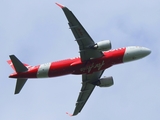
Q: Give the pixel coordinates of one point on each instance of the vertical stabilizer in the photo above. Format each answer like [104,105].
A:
[19,67]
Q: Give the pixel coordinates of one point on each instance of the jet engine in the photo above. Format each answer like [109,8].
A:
[103,45]
[105,82]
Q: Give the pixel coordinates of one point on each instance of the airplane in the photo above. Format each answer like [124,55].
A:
[93,60]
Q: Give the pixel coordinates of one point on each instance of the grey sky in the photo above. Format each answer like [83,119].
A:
[37,31]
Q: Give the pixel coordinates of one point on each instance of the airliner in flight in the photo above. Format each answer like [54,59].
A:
[94,59]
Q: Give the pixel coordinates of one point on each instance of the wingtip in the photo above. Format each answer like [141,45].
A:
[69,114]
[61,6]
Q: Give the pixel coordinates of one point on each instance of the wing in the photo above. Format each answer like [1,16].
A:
[82,37]
[85,43]
[86,90]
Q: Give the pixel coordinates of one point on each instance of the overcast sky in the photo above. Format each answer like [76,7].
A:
[37,31]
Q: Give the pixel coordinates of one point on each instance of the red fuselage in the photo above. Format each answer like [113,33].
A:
[73,66]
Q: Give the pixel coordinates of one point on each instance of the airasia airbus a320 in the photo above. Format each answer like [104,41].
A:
[94,59]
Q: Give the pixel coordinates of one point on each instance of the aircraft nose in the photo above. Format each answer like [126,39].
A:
[145,51]
[135,52]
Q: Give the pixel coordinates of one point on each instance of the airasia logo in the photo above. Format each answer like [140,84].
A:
[89,68]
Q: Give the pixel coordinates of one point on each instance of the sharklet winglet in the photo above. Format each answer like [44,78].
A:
[69,114]
[61,6]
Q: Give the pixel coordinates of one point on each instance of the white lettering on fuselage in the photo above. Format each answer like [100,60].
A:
[89,68]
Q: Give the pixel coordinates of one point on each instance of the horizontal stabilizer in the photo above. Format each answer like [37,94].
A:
[20,83]
[18,65]
[11,64]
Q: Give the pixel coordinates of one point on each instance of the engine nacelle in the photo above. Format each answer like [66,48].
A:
[105,82]
[103,45]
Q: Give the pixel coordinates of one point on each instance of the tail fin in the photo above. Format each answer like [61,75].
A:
[19,67]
